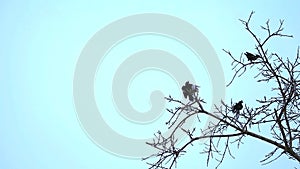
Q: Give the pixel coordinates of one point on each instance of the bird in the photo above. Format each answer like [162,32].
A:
[188,90]
[251,57]
[237,107]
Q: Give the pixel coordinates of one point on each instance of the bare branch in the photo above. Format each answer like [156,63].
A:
[278,113]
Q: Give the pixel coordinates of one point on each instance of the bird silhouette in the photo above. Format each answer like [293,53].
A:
[237,107]
[189,90]
[251,57]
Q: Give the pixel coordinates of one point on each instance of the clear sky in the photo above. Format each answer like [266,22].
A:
[41,42]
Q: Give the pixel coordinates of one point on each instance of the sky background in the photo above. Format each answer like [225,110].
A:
[41,42]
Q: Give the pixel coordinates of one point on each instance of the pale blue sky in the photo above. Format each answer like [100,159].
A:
[41,42]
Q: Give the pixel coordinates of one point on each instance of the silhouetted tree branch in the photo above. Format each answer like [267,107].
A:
[279,114]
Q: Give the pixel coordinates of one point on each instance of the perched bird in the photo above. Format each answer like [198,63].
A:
[237,107]
[251,57]
[189,90]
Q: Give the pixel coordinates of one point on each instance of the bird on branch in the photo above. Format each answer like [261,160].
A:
[189,90]
[237,107]
[251,57]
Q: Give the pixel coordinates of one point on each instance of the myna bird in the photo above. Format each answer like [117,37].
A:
[251,57]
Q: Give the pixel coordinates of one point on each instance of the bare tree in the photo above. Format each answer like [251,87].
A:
[278,114]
